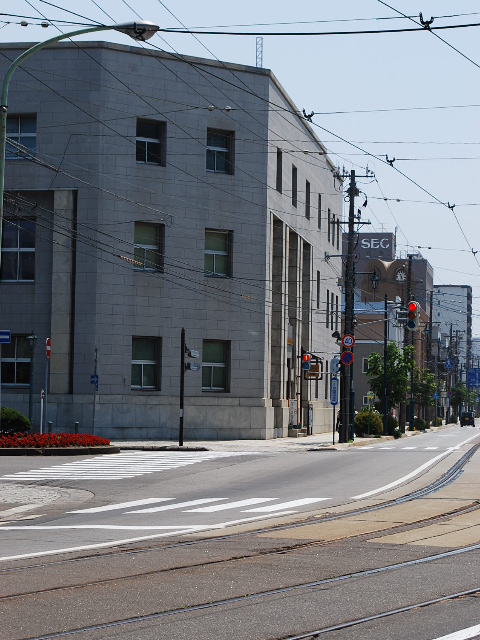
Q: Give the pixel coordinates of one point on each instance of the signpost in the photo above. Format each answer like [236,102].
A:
[333,400]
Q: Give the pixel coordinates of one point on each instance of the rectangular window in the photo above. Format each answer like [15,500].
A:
[365,400]
[18,251]
[318,289]
[364,365]
[16,362]
[319,211]
[333,228]
[151,142]
[218,253]
[145,363]
[21,132]
[338,234]
[220,151]
[329,224]
[332,297]
[279,181]
[294,186]
[307,200]
[149,246]
[327,317]
[336,313]
[327,378]
[215,356]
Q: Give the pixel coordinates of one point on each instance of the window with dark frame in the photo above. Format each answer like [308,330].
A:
[145,363]
[149,249]
[151,142]
[332,313]
[279,178]
[318,289]
[294,186]
[329,224]
[307,199]
[18,250]
[327,315]
[319,211]
[21,131]
[215,365]
[16,362]
[220,151]
[364,365]
[218,253]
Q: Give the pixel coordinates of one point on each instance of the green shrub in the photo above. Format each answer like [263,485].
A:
[12,421]
[453,419]
[419,424]
[361,424]
[392,425]
[437,422]
[397,433]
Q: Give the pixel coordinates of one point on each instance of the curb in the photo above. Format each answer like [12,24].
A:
[58,451]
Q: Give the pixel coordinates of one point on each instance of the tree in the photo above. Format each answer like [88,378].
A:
[457,400]
[399,366]
[423,389]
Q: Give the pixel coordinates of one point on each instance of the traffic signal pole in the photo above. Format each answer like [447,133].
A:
[346,411]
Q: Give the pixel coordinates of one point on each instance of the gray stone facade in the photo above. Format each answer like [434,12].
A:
[85,190]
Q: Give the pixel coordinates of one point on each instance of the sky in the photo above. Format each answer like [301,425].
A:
[405,104]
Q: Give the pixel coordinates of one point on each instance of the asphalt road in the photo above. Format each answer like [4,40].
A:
[135,546]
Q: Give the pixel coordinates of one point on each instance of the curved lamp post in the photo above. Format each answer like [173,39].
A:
[137,30]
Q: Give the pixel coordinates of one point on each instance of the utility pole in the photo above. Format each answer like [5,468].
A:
[385,374]
[346,410]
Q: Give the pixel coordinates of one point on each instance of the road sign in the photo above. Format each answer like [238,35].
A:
[314,371]
[334,364]
[449,394]
[473,378]
[94,380]
[48,348]
[333,391]
[347,358]
[348,341]
[192,366]
[5,337]
[448,364]
[436,396]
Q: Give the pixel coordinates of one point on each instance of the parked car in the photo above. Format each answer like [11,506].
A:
[467,417]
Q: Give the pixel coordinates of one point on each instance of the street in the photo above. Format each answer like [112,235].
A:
[263,542]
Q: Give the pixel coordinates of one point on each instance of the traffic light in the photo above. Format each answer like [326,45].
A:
[306,361]
[413,315]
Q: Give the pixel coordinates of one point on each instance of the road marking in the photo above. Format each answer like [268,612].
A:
[178,505]
[408,448]
[431,448]
[464,634]
[122,465]
[284,505]
[230,505]
[120,505]
[415,472]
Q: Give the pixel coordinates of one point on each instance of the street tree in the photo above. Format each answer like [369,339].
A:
[423,389]
[399,366]
[459,393]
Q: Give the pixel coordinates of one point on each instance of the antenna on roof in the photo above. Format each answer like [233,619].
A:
[260,52]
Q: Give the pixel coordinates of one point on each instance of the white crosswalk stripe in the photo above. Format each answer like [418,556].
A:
[120,466]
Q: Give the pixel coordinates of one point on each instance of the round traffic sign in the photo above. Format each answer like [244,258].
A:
[348,341]
[48,348]
[347,358]
[449,394]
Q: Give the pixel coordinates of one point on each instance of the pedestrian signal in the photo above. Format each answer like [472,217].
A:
[413,315]
[306,361]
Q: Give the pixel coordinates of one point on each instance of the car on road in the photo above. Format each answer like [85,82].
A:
[467,417]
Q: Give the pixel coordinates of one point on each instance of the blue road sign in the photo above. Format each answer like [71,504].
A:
[473,378]
[333,391]
[5,337]
[94,380]
[448,364]
[436,396]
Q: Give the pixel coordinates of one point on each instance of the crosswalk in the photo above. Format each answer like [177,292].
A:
[369,447]
[128,464]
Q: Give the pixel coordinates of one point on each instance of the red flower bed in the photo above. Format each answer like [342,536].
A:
[41,440]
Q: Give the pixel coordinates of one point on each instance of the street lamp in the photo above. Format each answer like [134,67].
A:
[137,30]
[32,341]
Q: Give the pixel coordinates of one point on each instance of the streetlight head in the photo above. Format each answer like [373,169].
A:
[138,30]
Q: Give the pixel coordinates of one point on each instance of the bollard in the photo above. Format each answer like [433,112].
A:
[49,426]
[75,428]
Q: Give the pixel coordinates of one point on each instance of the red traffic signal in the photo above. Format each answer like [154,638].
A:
[306,361]
[413,315]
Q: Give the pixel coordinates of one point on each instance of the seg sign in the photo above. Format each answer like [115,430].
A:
[376,246]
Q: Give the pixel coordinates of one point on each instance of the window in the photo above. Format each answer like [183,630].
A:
[365,400]
[220,151]
[318,289]
[336,313]
[338,234]
[294,186]
[18,251]
[327,377]
[333,228]
[307,200]
[332,313]
[329,224]
[364,365]
[16,362]
[21,130]
[215,365]
[327,317]
[218,253]
[151,142]
[149,246]
[145,363]
[319,211]
[279,171]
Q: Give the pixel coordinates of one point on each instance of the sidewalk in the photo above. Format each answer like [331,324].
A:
[322,441]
